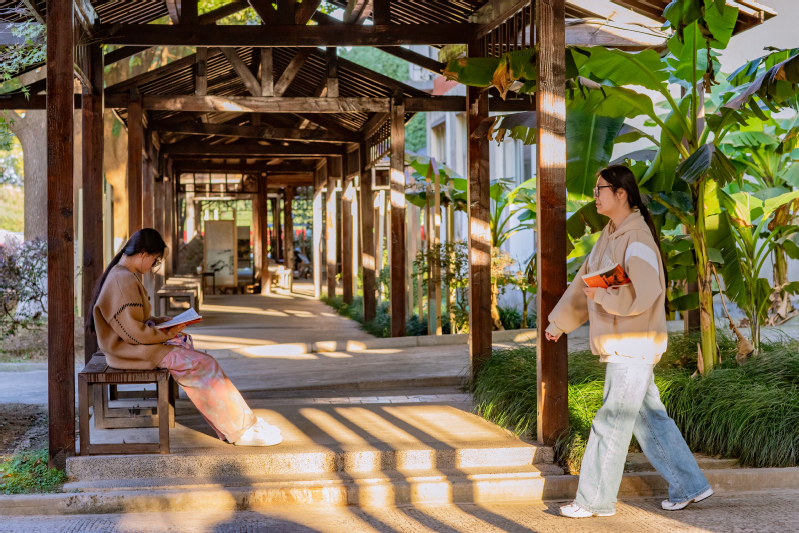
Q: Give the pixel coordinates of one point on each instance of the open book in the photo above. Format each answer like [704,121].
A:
[613,276]
[187,317]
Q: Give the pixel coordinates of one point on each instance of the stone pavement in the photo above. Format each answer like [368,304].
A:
[762,512]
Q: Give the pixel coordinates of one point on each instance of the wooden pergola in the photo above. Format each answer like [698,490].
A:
[275,102]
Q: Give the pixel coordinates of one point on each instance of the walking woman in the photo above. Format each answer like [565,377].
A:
[121,318]
[628,332]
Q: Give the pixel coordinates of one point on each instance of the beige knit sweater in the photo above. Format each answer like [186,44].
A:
[120,314]
[628,323]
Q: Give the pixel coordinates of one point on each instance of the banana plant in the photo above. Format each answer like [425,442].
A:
[749,216]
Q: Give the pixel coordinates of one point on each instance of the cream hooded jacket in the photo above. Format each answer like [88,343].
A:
[627,323]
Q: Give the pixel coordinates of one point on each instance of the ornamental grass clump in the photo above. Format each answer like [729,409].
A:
[748,412]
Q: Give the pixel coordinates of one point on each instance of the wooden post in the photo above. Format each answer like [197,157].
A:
[319,179]
[256,238]
[436,237]
[200,71]
[60,238]
[553,406]
[346,239]
[397,258]
[267,77]
[176,218]
[330,229]
[367,211]
[148,183]
[480,324]
[92,152]
[428,234]
[277,228]
[331,54]
[135,148]
[189,12]
[170,214]
[288,199]
[381,232]
[266,279]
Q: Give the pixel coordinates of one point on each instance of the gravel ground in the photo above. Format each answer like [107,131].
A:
[22,427]
[747,513]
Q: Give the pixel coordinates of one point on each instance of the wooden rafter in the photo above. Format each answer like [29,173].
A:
[249,132]
[173,6]
[206,166]
[194,148]
[242,71]
[292,70]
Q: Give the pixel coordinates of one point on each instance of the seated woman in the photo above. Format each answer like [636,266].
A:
[121,318]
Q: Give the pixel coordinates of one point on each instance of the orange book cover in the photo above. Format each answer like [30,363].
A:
[613,276]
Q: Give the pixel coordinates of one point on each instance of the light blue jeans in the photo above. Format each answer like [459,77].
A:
[631,406]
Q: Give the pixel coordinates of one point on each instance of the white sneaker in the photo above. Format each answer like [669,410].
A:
[669,506]
[260,434]
[574,511]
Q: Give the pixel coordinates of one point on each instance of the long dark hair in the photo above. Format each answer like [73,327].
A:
[621,177]
[145,240]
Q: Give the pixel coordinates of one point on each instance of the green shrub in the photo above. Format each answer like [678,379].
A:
[510,317]
[381,326]
[28,472]
[748,412]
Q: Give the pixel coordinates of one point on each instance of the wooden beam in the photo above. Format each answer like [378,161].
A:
[189,12]
[242,71]
[320,177]
[34,10]
[92,164]
[347,194]
[397,258]
[333,173]
[286,35]
[367,215]
[173,6]
[249,149]
[265,10]
[381,12]
[288,218]
[292,70]
[357,11]
[267,72]
[553,392]
[60,238]
[327,123]
[248,104]
[285,11]
[331,57]
[160,72]
[479,202]
[250,132]
[306,10]
[135,149]
[294,167]
[222,12]
[201,71]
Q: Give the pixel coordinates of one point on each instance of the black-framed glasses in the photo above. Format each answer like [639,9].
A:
[157,263]
[597,191]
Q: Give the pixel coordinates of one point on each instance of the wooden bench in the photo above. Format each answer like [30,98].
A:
[162,298]
[98,375]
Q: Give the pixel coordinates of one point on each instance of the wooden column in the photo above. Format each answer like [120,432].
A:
[278,229]
[266,279]
[553,405]
[480,324]
[176,217]
[288,217]
[92,152]
[367,213]
[267,76]
[170,214]
[333,171]
[346,239]
[319,179]
[135,149]
[200,71]
[332,71]
[397,257]
[188,12]
[60,238]
[148,183]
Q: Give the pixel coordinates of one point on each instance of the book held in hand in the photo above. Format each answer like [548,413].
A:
[185,318]
[613,276]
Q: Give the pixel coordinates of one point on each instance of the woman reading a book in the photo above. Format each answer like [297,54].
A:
[127,335]
[628,332]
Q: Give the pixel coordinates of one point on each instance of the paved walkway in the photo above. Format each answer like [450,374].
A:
[752,513]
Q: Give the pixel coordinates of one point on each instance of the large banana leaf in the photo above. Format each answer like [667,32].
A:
[709,159]
[713,17]
[624,68]
[589,146]
[472,71]
[777,84]
[586,216]
[610,101]
[719,236]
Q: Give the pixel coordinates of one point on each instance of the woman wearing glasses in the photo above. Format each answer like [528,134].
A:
[628,332]
[127,336]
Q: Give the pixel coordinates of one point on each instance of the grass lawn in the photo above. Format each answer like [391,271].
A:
[749,412]
[11,208]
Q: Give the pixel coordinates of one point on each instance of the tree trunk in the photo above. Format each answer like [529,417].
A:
[32,135]
[704,279]
[495,308]
[782,300]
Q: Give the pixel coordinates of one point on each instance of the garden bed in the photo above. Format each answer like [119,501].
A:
[748,412]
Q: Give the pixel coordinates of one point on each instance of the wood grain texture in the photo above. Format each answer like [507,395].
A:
[553,408]
[201,71]
[292,70]
[92,163]
[276,104]
[242,71]
[346,240]
[267,80]
[331,57]
[367,214]
[135,149]
[60,238]
[479,185]
[397,252]
[333,173]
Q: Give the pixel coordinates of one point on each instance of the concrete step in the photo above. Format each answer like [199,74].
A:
[291,460]
[435,487]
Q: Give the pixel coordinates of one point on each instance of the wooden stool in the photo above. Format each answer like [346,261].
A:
[98,375]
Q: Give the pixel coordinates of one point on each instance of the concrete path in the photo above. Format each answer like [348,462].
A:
[775,512]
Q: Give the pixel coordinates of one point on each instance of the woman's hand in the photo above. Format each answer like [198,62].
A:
[551,337]
[590,292]
[174,331]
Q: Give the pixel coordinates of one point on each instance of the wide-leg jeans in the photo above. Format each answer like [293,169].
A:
[631,406]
